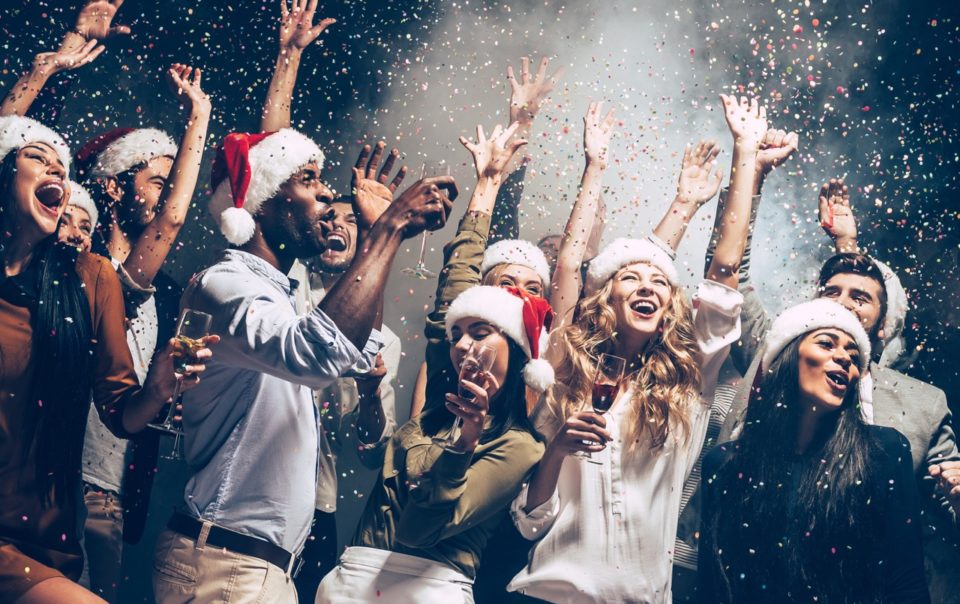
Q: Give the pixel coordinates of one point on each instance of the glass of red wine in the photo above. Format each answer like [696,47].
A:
[475,365]
[606,386]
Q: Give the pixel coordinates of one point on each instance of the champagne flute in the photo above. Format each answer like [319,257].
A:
[479,361]
[606,385]
[420,271]
[192,326]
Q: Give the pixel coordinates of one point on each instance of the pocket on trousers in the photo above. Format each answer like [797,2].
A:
[168,560]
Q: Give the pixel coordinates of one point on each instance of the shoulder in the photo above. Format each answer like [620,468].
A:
[517,445]
[892,443]
[96,272]
[906,387]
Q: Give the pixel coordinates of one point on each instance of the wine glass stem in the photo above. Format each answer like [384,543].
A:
[168,422]
[423,248]
[454,431]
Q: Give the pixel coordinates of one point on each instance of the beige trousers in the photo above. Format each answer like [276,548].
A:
[185,570]
[102,543]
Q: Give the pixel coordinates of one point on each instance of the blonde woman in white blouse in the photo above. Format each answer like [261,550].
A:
[605,531]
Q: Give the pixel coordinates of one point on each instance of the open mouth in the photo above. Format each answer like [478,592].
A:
[50,195]
[838,380]
[644,308]
[336,242]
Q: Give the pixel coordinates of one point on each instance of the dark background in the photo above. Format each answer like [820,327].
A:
[872,88]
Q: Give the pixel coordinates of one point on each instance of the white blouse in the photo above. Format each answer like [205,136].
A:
[607,533]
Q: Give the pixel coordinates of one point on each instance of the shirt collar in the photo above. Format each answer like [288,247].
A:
[263,268]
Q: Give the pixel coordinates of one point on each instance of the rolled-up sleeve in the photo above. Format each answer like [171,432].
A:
[260,331]
[534,524]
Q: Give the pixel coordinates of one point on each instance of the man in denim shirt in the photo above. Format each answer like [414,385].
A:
[251,433]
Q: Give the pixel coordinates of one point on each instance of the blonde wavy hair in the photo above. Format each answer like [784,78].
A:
[666,376]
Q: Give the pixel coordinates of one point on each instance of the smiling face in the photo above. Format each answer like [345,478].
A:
[297,219]
[76,228]
[341,238]
[859,294]
[138,196]
[38,190]
[828,368]
[469,330]
[639,297]
[515,275]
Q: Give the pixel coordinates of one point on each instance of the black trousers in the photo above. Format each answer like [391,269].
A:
[319,555]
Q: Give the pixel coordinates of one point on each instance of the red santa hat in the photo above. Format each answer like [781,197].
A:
[81,198]
[623,252]
[17,131]
[521,316]
[250,169]
[517,251]
[116,151]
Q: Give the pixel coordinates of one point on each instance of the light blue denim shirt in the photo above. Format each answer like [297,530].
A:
[250,427]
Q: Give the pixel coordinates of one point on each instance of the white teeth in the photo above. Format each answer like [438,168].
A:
[644,307]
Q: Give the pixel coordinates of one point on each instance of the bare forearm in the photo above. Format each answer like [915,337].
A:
[846,245]
[276,107]
[543,484]
[523,131]
[151,249]
[674,223]
[735,224]
[370,418]
[354,302]
[566,283]
[140,410]
[485,194]
[24,93]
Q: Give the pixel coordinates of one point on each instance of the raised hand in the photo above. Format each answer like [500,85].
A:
[371,192]
[775,147]
[491,155]
[95,20]
[425,205]
[597,132]
[575,434]
[49,63]
[746,118]
[836,217]
[947,474]
[472,412]
[698,181]
[184,82]
[526,96]
[297,30]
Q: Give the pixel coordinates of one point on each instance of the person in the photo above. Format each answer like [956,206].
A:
[916,409]
[144,185]
[604,530]
[434,508]
[59,309]
[251,432]
[811,503]
[79,219]
[776,146]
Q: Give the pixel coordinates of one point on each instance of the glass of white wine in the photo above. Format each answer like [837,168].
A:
[420,271]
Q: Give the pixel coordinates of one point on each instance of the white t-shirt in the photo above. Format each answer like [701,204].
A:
[607,533]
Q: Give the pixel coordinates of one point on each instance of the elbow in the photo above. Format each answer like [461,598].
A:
[418,538]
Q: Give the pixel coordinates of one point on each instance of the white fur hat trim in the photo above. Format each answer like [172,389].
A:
[81,198]
[622,252]
[272,162]
[517,251]
[132,149]
[809,316]
[17,131]
[897,305]
[501,308]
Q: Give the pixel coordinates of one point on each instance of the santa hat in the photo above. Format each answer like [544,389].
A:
[17,131]
[517,251]
[623,252]
[81,198]
[810,316]
[896,317]
[116,151]
[523,317]
[250,169]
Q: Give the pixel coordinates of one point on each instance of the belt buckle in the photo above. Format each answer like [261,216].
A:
[295,566]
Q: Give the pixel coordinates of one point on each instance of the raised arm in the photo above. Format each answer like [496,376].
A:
[697,185]
[151,249]
[836,216]
[565,291]
[45,65]
[747,121]
[297,31]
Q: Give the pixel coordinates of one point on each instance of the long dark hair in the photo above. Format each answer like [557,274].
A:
[825,537]
[61,342]
[508,409]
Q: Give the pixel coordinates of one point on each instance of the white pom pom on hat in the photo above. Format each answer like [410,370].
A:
[522,317]
[17,131]
[623,252]
[250,169]
[517,251]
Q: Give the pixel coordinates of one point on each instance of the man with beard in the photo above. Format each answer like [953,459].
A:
[252,434]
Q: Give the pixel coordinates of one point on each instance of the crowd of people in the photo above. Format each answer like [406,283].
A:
[580,430]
